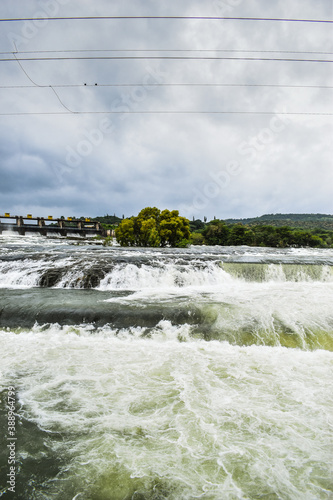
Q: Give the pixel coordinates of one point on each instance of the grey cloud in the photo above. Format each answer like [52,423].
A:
[95,164]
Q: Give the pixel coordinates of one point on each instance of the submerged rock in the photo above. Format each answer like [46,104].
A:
[51,277]
[89,278]
[92,277]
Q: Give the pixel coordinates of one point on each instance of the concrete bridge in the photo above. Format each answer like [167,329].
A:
[49,225]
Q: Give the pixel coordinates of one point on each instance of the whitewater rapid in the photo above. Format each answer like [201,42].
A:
[166,374]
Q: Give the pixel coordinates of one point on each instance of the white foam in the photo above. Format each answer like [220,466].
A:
[26,273]
[157,411]
[163,275]
[208,419]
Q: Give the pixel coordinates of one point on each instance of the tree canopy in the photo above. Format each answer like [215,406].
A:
[154,228]
[217,232]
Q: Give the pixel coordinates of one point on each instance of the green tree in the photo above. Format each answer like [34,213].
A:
[173,228]
[125,233]
[197,239]
[154,228]
[216,233]
[237,235]
[148,235]
[265,236]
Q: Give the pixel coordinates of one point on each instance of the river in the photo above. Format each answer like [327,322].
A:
[179,374]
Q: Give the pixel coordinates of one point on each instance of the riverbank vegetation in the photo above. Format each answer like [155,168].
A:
[154,228]
[219,232]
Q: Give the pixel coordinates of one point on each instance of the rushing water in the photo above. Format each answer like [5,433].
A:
[165,374]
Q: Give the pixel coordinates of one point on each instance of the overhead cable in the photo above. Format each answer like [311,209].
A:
[170,50]
[75,85]
[164,112]
[182,18]
[193,58]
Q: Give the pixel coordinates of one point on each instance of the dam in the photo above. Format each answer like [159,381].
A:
[29,224]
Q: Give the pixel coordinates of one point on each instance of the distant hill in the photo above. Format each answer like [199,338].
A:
[109,219]
[303,221]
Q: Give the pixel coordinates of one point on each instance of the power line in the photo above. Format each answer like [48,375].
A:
[194,18]
[192,84]
[75,85]
[69,111]
[170,50]
[193,58]
[36,84]
[173,112]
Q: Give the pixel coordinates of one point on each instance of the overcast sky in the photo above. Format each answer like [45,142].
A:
[70,157]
